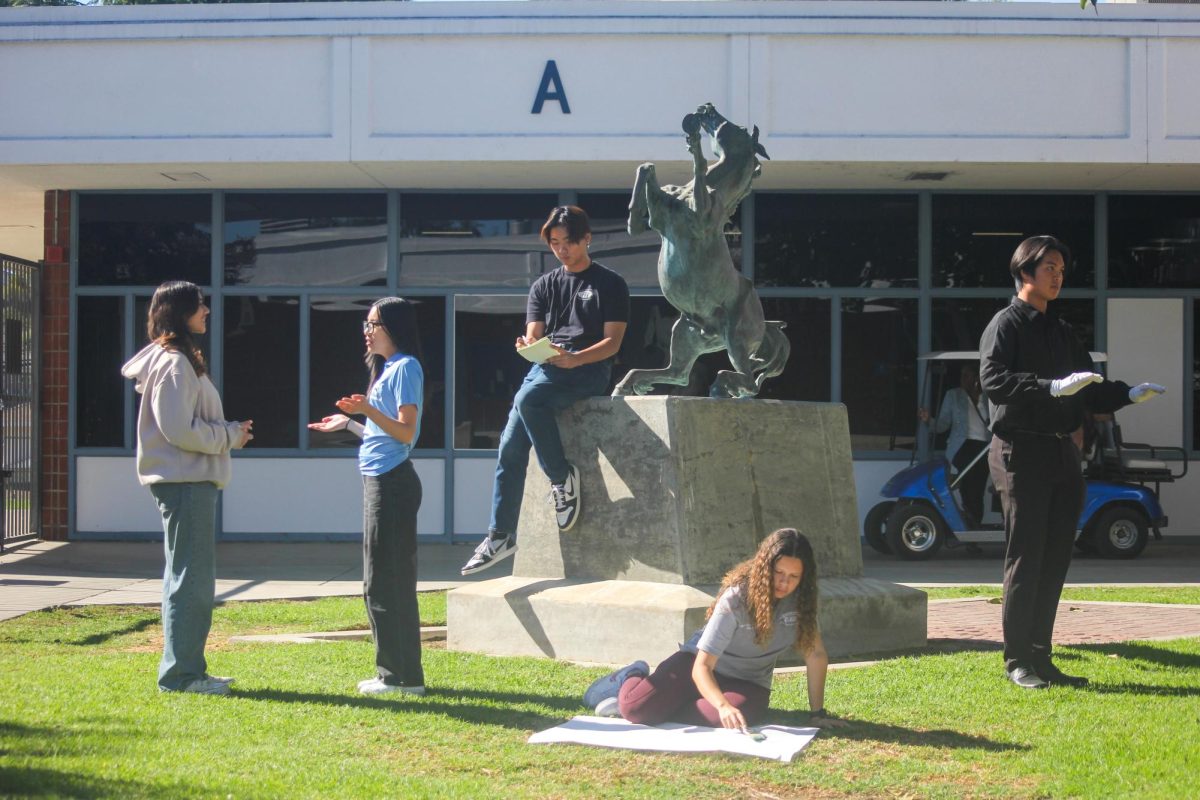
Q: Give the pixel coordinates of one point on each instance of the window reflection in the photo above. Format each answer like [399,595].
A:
[1153,242]
[879,387]
[262,367]
[958,322]
[99,387]
[305,239]
[144,239]
[487,370]
[836,240]
[806,376]
[336,366]
[635,258]
[974,236]
[473,240]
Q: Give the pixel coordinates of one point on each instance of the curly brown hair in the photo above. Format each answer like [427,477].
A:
[754,577]
[166,323]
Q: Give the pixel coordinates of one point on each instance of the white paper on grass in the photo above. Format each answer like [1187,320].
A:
[782,743]
[539,351]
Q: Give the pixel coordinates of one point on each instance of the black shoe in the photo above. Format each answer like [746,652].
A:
[1024,676]
[489,552]
[1056,677]
[565,497]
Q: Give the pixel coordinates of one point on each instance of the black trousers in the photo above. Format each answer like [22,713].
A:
[390,503]
[1041,490]
[974,482]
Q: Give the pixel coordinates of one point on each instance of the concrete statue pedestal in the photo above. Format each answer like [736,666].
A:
[675,491]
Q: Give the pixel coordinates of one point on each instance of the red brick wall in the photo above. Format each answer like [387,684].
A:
[55,306]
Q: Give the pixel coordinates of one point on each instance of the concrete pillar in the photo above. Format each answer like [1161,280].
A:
[676,491]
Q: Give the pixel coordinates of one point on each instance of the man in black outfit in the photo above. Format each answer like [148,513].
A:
[1038,379]
[583,309]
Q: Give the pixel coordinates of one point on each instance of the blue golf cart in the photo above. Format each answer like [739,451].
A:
[921,512]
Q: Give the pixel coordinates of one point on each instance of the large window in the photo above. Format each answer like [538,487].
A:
[473,239]
[306,239]
[487,370]
[1154,241]
[322,258]
[337,368]
[806,375]
[974,236]
[262,367]
[99,387]
[144,240]
[879,387]
[868,241]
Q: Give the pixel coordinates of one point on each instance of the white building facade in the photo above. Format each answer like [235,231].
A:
[302,160]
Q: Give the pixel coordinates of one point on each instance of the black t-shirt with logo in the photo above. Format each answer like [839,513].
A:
[575,305]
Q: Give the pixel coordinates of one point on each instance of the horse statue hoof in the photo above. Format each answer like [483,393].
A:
[691,125]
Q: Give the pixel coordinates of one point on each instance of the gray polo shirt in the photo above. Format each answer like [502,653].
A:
[729,635]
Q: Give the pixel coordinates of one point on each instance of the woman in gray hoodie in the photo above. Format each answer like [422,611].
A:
[183,446]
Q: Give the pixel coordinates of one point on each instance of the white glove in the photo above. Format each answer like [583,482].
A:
[1145,391]
[1065,387]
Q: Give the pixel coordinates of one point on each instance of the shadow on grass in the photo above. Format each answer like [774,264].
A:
[99,624]
[38,782]
[33,781]
[862,731]
[1144,651]
[502,708]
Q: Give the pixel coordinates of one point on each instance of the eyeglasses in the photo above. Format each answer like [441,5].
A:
[370,325]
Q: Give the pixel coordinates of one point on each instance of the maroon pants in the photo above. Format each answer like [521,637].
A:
[670,694]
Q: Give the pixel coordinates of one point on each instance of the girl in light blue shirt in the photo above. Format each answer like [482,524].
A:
[391,491]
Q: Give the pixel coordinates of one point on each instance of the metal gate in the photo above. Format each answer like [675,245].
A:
[19,416]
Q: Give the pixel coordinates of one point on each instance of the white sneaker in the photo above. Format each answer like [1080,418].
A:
[566,499]
[207,686]
[608,707]
[377,686]
[219,678]
[489,552]
[366,681]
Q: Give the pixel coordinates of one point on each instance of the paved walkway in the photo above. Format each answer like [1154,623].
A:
[976,623]
[44,574]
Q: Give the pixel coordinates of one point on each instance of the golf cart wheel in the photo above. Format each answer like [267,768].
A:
[1120,532]
[915,531]
[875,527]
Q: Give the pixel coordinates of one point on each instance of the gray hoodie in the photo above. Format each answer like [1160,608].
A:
[183,435]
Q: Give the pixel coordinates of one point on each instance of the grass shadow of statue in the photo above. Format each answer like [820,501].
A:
[719,308]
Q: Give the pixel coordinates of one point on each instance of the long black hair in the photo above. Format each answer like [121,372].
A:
[399,319]
[173,304]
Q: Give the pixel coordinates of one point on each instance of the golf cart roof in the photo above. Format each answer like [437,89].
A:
[973,355]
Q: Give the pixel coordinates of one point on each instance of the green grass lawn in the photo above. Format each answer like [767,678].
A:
[80,717]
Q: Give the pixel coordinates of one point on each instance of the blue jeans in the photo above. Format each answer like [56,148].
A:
[189,512]
[533,422]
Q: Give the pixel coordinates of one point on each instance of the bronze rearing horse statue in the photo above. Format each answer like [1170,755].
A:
[718,308]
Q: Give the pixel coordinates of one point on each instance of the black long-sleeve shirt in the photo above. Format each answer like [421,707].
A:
[1022,350]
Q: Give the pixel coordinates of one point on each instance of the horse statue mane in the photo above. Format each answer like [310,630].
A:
[718,308]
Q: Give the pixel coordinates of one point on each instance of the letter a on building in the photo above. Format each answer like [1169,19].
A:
[550,79]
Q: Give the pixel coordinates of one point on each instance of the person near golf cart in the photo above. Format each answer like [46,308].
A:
[1038,378]
[964,413]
